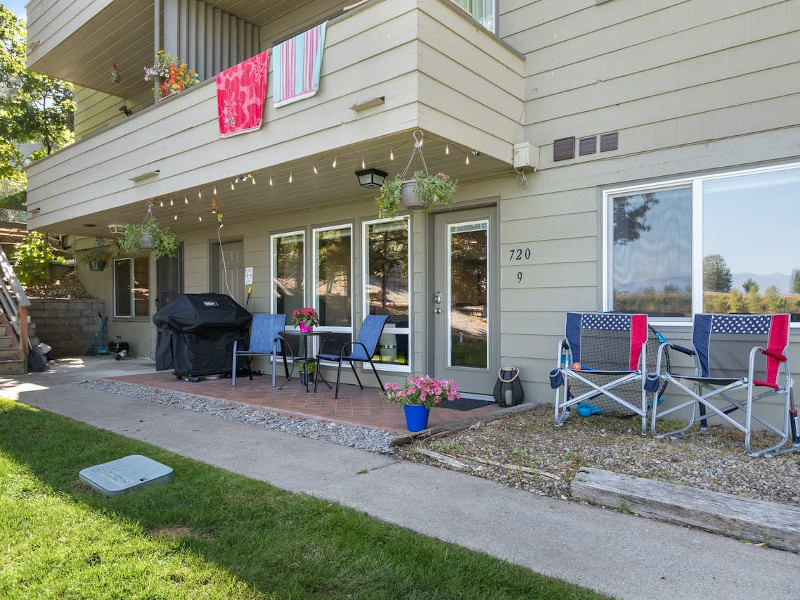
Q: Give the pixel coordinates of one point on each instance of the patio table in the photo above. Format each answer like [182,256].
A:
[306,337]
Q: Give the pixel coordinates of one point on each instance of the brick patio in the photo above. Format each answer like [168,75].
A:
[354,406]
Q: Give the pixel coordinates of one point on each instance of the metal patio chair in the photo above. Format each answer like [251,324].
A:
[603,360]
[739,361]
[362,350]
[264,340]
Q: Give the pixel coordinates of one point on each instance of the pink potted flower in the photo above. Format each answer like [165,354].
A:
[418,394]
[305,318]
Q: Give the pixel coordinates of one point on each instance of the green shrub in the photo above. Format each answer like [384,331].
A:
[31,258]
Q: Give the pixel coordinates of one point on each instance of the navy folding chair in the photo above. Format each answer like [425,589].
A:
[362,350]
[740,360]
[265,340]
[603,357]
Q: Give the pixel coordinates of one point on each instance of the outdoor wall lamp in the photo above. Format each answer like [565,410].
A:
[371,178]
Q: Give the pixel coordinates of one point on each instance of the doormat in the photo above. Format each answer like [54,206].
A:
[464,404]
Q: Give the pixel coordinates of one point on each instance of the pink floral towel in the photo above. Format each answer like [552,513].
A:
[241,91]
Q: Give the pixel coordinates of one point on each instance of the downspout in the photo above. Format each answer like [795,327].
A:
[156,43]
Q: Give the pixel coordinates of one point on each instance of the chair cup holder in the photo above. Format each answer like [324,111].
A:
[651,383]
[556,378]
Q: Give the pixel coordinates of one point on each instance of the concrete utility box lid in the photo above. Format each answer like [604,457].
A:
[125,474]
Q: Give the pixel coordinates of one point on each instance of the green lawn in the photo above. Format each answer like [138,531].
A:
[209,533]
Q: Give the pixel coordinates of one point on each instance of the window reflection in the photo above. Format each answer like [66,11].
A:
[751,253]
[333,285]
[288,251]
[652,252]
[387,290]
[468,294]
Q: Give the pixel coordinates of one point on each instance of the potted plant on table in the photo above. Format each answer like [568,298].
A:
[418,394]
[305,318]
[423,192]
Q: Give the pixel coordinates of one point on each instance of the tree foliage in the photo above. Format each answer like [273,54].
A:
[630,218]
[34,108]
[31,258]
[750,285]
[717,276]
[794,287]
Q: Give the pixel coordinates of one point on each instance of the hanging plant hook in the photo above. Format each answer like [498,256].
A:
[418,136]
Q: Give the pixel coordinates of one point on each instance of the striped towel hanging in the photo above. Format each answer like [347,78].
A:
[296,66]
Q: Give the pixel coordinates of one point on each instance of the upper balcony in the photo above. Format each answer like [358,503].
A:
[435,69]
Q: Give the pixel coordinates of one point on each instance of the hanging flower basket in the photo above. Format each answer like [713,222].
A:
[97,265]
[423,192]
[146,240]
[409,197]
[149,236]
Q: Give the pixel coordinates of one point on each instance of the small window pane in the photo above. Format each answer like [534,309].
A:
[387,287]
[652,252]
[481,10]
[751,250]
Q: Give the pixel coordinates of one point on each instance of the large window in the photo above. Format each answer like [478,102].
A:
[288,272]
[480,10]
[333,280]
[723,243]
[387,292]
[132,287]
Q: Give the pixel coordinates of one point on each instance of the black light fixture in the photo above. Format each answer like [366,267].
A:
[371,178]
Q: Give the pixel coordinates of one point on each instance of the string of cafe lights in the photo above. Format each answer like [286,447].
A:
[274,178]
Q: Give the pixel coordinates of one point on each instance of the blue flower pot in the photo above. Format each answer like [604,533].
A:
[416,417]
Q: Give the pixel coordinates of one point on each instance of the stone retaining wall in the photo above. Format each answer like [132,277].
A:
[69,326]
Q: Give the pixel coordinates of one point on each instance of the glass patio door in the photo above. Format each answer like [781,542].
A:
[464,299]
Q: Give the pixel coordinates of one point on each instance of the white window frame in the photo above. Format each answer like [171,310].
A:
[364,296]
[696,184]
[273,300]
[493,11]
[132,283]
[314,297]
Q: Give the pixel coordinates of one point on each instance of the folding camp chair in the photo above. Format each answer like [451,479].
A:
[265,340]
[602,358]
[739,361]
[362,350]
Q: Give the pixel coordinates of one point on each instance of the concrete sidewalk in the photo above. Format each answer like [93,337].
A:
[621,555]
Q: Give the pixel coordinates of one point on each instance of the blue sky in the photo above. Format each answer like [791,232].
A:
[17,6]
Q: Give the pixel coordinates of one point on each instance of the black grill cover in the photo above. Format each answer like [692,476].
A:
[196,333]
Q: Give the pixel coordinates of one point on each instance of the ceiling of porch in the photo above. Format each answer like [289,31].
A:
[329,186]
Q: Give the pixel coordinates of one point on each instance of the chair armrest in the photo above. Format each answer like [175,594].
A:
[776,355]
[683,349]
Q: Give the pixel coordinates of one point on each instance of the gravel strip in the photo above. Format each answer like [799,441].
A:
[527,451]
[352,436]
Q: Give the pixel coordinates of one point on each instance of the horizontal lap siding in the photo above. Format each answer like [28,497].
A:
[187,144]
[690,86]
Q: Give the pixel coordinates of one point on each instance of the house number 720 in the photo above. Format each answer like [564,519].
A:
[518,254]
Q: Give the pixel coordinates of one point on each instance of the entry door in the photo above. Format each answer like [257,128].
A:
[464,302]
[227,270]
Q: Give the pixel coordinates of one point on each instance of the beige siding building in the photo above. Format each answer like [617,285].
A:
[604,150]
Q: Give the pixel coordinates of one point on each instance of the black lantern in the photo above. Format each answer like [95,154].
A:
[371,178]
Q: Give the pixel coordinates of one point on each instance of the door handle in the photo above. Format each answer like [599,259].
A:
[437,300]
